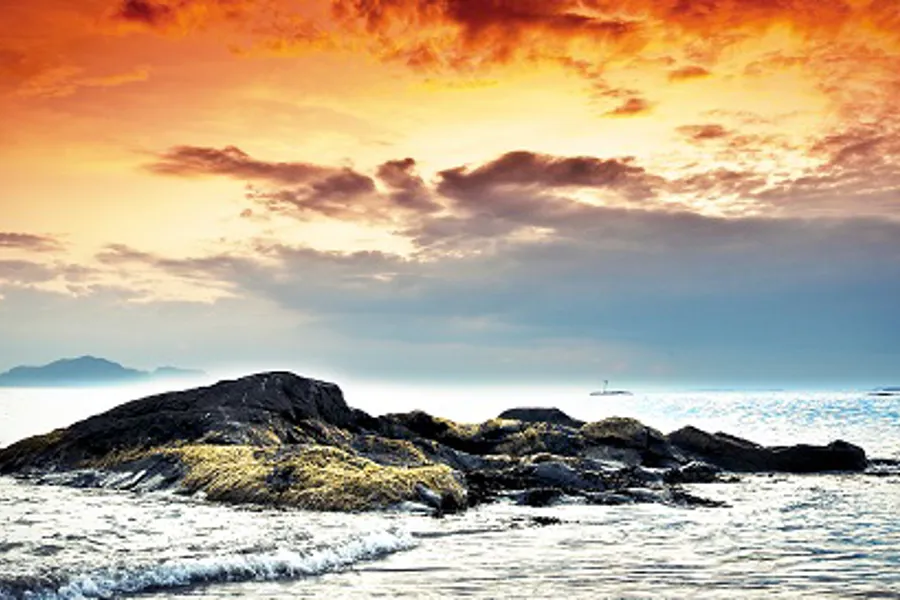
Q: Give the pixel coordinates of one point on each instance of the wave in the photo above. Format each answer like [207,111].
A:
[277,565]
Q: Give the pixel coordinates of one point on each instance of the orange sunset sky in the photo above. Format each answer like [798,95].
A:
[649,190]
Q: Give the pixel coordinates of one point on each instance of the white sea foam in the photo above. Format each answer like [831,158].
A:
[282,564]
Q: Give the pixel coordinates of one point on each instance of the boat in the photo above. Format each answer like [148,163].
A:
[886,392]
[608,392]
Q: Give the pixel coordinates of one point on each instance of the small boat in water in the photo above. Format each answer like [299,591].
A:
[608,392]
[886,392]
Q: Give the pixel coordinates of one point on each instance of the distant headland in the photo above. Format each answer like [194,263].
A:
[87,371]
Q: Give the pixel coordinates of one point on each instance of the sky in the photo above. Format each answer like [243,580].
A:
[654,192]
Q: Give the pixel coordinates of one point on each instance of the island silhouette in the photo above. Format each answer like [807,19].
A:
[87,371]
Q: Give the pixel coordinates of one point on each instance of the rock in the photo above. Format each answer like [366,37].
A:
[693,472]
[542,521]
[558,474]
[725,451]
[444,431]
[441,504]
[680,497]
[539,497]
[609,498]
[542,437]
[264,409]
[281,439]
[619,432]
[737,454]
[803,458]
[541,415]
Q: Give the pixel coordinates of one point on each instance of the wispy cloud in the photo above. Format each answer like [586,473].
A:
[29,241]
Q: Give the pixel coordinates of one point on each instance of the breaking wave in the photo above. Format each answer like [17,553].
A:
[277,565]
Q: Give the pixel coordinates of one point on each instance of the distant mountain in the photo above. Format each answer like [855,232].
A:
[86,370]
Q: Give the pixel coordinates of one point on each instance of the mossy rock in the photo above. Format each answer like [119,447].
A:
[311,477]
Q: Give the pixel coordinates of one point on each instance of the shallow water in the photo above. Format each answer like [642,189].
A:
[831,536]
[790,536]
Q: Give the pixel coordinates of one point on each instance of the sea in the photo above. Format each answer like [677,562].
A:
[780,536]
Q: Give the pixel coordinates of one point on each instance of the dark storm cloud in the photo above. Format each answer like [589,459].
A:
[28,241]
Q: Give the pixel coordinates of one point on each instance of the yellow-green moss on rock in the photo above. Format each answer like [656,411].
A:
[312,477]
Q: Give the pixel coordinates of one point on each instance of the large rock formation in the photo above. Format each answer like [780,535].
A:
[276,438]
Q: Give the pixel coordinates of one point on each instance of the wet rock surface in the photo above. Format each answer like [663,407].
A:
[277,438]
[737,454]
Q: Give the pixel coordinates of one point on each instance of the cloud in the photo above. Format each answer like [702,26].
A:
[467,33]
[339,195]
[701,133]
[30,242]
[856,173]
[64,81]
[407,189]
[146,12]
[524,168]
[179,15]
[631,107]
[688,73]
[24,272]
[714,297]
[195,161]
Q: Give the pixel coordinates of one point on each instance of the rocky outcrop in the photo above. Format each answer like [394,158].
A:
[653,447]
[281,439]
[259,410]
[736,454]
[541,415]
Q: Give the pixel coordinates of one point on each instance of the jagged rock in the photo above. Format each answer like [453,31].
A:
[541,415]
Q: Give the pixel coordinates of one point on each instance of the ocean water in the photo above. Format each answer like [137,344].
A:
[786,536]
